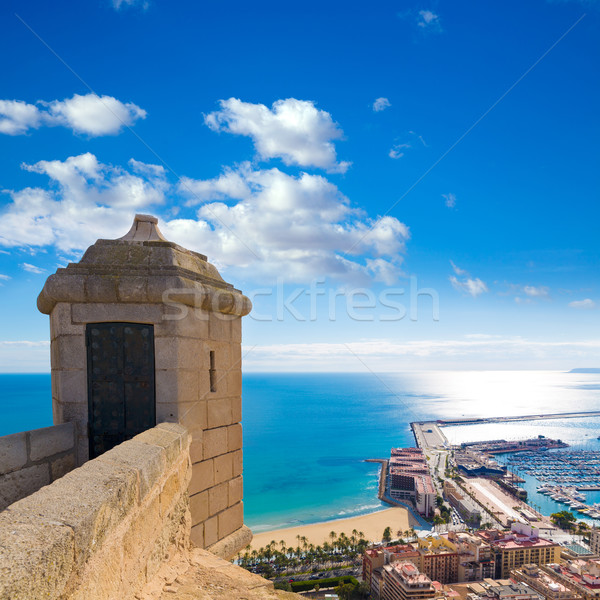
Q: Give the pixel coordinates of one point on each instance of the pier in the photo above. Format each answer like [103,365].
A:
[536,417]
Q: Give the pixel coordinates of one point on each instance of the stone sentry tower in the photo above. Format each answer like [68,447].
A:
[144,331]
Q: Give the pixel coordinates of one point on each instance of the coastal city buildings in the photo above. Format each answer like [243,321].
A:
[403,581]
[580,576]
[519,546]
[595,541]
[448,558]
[547,584]
[475,559]
[466,507]
[439,559]
[410,479]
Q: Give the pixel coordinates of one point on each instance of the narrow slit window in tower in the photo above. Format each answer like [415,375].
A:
[212,372]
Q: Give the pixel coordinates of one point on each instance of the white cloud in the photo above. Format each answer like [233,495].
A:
[32,269]
[4,277]
[263,222]
[24,356]
[428,20]
[586,304]
[119,4]
[90,114]
[457,270]
[89,200]
[471,285]
[385,355]
[474,287]
[381,104]
[16,117]
[396,150]
[536,291]
[293,130]
[450,200]
[299,226]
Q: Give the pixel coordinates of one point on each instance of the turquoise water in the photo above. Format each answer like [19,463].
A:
[306,435]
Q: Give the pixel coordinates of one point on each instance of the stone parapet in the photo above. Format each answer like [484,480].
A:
[32,459]
[103,530]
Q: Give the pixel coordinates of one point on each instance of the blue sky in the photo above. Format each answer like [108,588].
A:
[358,151]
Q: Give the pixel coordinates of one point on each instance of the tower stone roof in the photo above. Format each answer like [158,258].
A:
[143,267]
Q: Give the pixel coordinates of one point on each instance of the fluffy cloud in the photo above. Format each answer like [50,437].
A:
[90,114]
[119,4]
[536,291]
[397,150]
[264,222]
[32,269]
[463,282]
[299,226]
[428,20]
[586,304]
[88,200]
[450,200]
[381,104]
[16,117]
[4,277]
[293,130]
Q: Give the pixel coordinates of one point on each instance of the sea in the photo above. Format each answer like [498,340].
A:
[307,435]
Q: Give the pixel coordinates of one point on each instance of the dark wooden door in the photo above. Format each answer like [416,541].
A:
[120,369]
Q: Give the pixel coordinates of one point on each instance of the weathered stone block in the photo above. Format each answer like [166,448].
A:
[101,286]
[172,437]
[236,490]
[234,382]
[197,447]
[234,437]
[13,452]
[36,556]
[203,477]
[220,327]
[219,412]
[199,507]
[211,531]
[215,442]
[237,463]
[61,466]
[176,385]
[68,352]
[218,498]
[223,467]
[236,331]
[148,460]
[231,519]
[48,441]
[173,487]
[22,483]
[71,385]
[105,493]
[193,415]
[167,412]
[197,535]
[61,321]
[131,288]
[126,313]
[73,411]
[236,409]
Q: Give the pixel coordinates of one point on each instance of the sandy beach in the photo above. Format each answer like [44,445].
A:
[372,525]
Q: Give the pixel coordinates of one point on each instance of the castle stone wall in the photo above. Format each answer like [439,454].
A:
[32,459]
[104,530]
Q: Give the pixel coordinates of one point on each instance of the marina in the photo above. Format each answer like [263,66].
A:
[563,476]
